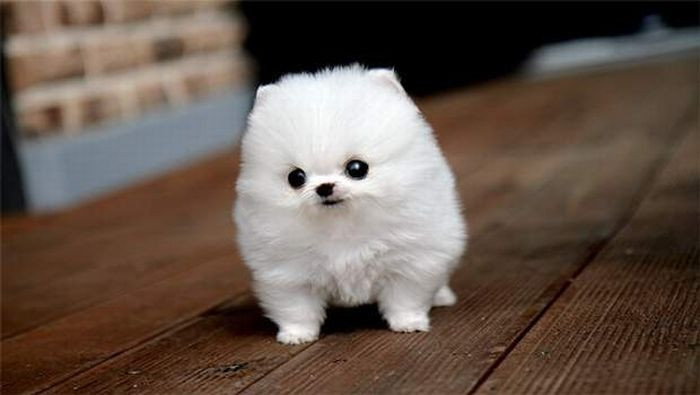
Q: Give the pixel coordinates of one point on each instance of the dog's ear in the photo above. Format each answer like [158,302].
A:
[262,92]
[387,77]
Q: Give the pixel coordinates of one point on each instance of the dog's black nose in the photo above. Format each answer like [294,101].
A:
[325,190]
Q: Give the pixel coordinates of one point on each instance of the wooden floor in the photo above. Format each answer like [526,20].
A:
[583,273]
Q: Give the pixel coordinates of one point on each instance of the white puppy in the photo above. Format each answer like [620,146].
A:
[345,198]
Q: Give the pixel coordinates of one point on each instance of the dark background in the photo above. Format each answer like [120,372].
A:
[434,46]
[12,190]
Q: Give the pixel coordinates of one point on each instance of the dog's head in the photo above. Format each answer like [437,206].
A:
[334,142]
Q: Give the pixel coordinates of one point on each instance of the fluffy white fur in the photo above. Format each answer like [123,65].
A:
[398,233]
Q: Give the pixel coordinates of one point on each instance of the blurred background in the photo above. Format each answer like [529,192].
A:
[100,94]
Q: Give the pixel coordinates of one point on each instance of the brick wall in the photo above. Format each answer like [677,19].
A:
[78,63]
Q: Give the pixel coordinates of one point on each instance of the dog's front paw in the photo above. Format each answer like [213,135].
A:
[297,334]
[409,322]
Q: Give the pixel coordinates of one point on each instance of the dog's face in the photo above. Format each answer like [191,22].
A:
[333,142]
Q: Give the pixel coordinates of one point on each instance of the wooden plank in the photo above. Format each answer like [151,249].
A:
[140,237]
[578,201]
[34,360]
[153,243]
[630,323]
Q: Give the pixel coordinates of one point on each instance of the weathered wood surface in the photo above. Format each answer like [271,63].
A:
[630,323]
[119,295]
[74,260]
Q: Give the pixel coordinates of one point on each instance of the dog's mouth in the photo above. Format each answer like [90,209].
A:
[329,202]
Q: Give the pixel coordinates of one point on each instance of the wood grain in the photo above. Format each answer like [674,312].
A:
[631,322]
[60,264]
[564,188]
[37,359]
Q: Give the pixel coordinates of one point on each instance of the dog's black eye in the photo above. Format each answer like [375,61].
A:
[296,178]
[356,169]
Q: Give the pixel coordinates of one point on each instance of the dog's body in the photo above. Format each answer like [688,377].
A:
[344,198]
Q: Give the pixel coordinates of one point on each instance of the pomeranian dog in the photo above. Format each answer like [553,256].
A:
[344,198]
